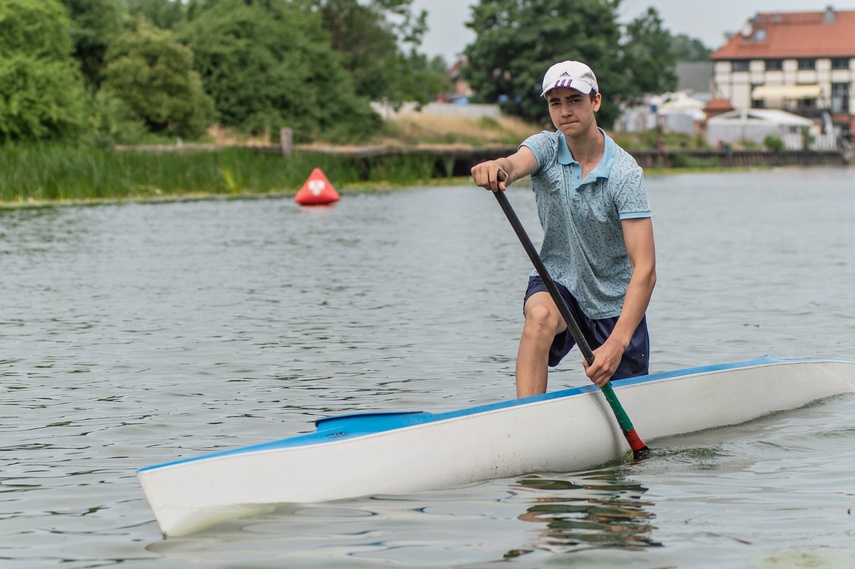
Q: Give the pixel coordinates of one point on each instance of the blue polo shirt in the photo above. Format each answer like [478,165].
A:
[583,246]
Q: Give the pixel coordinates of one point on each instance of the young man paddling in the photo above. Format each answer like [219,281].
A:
[598,237]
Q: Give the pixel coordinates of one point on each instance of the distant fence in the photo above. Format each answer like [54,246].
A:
[739,158]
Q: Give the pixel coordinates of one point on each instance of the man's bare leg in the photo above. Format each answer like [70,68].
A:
[542,322]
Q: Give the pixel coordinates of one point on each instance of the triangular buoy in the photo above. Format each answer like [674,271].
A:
[317,190]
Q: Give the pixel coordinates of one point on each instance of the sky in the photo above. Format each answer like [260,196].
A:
[705,20]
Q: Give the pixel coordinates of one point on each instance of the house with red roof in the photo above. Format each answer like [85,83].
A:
[801,62]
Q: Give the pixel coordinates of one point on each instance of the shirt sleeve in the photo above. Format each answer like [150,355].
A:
[631,196]
[542,145]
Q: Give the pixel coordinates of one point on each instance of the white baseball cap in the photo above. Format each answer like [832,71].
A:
[572,75]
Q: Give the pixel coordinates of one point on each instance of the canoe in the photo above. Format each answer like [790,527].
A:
[405,452]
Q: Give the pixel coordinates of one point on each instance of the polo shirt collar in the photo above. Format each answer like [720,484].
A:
[603,168]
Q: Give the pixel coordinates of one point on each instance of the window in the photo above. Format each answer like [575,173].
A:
[774,64]
[839,98]
[807,64]
[806,105]
[739,65]
[840,63]
[756,103]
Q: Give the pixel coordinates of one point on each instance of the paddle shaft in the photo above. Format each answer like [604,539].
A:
[639,449]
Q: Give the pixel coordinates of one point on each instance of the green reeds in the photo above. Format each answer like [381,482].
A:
[52,172]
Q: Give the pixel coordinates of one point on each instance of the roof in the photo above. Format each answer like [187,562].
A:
[761,116]
[718,105]
[678,102]
[775,35]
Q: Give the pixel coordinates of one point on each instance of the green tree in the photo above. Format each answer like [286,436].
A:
[152,74]
[517,40]
[379,40]
[689,49]
[41,90]
[94,25]
[649,59]
[269,64]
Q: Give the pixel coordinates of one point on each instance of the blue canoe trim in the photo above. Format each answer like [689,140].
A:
[340,427]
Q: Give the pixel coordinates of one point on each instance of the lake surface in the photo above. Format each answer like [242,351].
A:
[136,334]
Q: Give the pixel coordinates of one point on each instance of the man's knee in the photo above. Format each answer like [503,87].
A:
[541,321]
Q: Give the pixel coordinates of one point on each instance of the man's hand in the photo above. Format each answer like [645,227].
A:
[490,175]
[606,361]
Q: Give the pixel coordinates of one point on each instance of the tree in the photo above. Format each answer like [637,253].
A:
[41,89]
[269,64]
[517,41]
[94,25]
[689,49]
[152,74]
[649,59]
[379,41]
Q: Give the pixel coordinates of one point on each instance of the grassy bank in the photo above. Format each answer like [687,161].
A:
[60,173]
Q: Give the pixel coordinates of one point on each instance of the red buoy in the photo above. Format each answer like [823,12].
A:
[317,190]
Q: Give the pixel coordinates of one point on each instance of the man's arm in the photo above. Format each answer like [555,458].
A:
[498,174]
[638,237]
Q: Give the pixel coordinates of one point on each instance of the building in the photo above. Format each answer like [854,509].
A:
[801,62]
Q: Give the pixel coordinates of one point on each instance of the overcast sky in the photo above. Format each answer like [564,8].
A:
[705,20]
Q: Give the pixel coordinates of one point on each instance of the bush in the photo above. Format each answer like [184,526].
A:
[773,143]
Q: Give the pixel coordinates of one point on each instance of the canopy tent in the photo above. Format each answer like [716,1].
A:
[753,125]
[786,92]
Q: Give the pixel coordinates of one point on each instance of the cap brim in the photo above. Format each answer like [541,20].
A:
[580,86]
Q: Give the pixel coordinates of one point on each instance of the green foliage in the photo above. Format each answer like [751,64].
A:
[39,28]
[685,48]
[360,33]
[649,60]
[269,64]
[38,172]
[807,139]
[773,143]
[152,75]
[164,14]
[95,24]
[41,91]
[372,37]
[517,41]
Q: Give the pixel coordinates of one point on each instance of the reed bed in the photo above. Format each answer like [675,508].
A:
[50,173]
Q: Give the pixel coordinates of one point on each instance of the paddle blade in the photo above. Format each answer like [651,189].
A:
[639,449]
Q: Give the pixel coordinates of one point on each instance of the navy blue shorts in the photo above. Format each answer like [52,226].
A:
[636,358]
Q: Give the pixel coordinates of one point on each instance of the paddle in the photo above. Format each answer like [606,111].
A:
[639,449]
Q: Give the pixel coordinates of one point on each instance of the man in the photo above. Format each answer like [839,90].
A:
[598,237]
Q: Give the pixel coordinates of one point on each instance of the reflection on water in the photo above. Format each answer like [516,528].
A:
[599,509]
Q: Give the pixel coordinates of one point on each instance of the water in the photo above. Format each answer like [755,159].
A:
[139,333]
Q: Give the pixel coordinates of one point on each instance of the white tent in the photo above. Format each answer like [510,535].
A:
[754,125]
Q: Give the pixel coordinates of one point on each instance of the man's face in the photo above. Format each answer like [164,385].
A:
[572,112]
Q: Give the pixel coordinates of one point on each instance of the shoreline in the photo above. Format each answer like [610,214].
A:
[74,177]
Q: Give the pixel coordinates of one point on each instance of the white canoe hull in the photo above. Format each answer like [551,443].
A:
[398,453]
